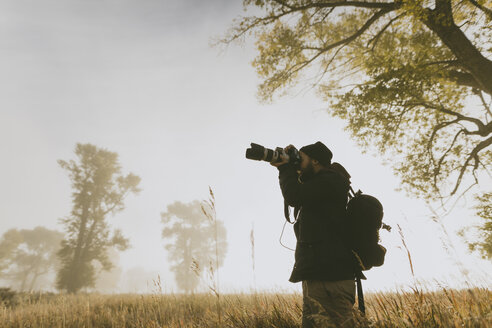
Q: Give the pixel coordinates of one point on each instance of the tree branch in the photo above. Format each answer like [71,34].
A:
[436,129]
[465,79]
[451,62]
[349,39]
[325,69]
[484,103]
[473,155]
[378,35]
[462,78]
[437,168]
[293,9]
[483,129]
[359,4]
[287,73]
[486,10]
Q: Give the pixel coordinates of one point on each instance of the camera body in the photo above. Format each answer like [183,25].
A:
[260,153]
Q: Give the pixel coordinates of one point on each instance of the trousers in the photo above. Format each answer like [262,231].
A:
[327,303]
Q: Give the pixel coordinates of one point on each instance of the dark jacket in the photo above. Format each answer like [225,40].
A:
[320,253]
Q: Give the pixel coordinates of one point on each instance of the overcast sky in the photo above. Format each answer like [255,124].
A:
[139,77]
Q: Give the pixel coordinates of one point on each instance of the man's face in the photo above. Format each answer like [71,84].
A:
[306,164]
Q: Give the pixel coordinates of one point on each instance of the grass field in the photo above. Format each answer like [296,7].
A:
[444,308]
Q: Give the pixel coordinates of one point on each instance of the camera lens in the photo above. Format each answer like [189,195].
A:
[260,153]
[256,152]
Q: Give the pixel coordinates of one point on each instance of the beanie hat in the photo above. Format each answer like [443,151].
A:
[319,152]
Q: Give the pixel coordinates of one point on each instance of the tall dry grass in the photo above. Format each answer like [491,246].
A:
[417,308]
[444,308]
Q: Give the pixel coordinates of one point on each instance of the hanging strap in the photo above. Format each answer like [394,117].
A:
[286,212]
[358,276]
[360,296]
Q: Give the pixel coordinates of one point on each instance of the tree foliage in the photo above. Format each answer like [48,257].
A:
[197,242]
[412,79]
[28,255]
[484,211]
[99,189]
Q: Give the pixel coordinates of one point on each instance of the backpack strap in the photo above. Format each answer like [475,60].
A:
[358,277]
[360,295]
[287,213]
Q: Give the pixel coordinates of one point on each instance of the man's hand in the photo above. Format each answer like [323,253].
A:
[285,159]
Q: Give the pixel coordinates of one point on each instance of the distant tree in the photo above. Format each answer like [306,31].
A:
[412,79]
[197,242]
[28,255]
[98,191]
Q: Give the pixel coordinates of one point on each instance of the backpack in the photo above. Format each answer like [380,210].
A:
[364,219]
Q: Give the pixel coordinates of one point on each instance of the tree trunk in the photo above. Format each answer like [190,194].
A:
[440,21]
[72,282]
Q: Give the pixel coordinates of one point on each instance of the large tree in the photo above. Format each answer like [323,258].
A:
[412,79]
[29,255]
[197,241]
[99,189]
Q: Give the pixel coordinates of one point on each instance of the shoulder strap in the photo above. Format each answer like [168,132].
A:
[287,213]
[360,296]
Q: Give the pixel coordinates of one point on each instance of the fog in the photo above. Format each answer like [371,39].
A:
[140,78]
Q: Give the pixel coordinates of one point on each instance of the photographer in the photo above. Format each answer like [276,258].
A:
[323,263]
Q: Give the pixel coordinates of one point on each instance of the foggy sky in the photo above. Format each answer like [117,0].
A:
[139,77]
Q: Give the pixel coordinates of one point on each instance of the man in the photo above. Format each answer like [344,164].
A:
[322,261]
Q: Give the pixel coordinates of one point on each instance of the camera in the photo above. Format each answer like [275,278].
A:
[260,153]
